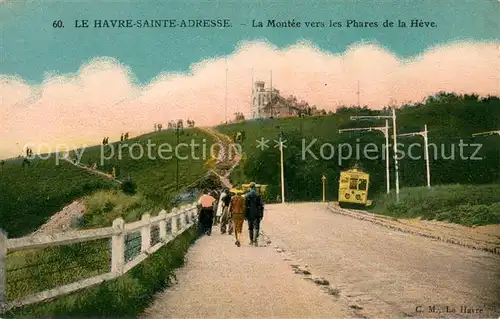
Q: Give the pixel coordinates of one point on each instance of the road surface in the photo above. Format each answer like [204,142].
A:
[377,273]
[221,280]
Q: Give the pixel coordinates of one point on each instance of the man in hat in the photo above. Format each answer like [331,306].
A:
[237,212]
[254,213]
[206,205]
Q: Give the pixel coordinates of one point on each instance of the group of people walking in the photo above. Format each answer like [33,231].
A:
[230,211]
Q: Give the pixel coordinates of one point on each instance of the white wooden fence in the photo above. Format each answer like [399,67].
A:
[181,218]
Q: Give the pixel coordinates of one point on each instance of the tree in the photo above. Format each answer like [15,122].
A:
[129,186]
[238,116]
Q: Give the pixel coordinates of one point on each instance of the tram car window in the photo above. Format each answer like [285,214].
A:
[353,184]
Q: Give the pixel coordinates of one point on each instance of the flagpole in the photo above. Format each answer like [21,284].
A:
[225,98]
[271,92]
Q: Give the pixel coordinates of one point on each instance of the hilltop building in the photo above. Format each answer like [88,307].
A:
[260,98]
[279,106]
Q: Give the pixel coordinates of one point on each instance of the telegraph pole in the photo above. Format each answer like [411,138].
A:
[177,158]
[386,133]
[486,133]
[271,93]
[225,99]
[395,147]
[357,92]
[426,154]
[393,117]
[385,130]
[282,171]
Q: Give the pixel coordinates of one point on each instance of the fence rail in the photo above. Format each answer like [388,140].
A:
[180,219]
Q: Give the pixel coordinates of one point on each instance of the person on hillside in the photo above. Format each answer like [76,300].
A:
[237,212]
[226,216]
[254,212]
[206,216]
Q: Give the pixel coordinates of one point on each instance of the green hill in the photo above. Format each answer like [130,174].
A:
[31,194]
[155,176]
[455,156]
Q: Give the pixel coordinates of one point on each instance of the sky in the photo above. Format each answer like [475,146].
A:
[75,85]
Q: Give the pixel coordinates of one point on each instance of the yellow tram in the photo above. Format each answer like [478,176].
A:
[353,188]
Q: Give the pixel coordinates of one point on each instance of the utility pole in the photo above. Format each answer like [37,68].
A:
[395,147]
[357,92]
[486,133]
[177,157]
[393,117]
[252,106]
[386,134]
[282,171]
[225,99]
[426,145]
[271,93]
[385,130]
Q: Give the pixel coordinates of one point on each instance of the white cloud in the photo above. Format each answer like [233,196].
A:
[102,98]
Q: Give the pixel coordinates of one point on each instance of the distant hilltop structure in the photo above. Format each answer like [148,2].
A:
[267,103]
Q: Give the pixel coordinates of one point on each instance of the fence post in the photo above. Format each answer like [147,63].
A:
[194,213]
[189,218]
[182,218]
[145,233]
[163,225]
[118,247]
[173,222]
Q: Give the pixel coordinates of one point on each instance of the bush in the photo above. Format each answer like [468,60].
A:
[103,207]
[462,204]
[472,214]
[128,186]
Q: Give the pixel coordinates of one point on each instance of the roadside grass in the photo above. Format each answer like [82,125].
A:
[127,296]
[31,271]
[461,204]
[36,270]
[105,206]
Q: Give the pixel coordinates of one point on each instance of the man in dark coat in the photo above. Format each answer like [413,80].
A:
[206,216]
[254,213]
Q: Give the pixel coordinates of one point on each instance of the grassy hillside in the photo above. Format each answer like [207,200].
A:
[455,156]
[155,176]
[461,204]
[30,195]
[33,271]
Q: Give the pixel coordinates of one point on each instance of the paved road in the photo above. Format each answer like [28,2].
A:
[221,280]
[387,273]
[379,273]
